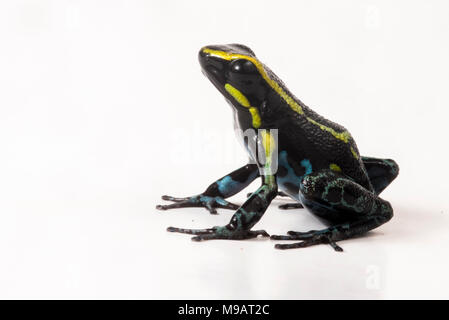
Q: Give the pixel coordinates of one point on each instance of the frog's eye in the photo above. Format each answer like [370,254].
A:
[243,66]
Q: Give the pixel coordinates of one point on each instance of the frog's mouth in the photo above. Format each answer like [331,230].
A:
[215,77]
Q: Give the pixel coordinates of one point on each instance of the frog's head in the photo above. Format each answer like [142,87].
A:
[238,75]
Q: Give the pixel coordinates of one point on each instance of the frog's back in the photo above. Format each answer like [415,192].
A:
[307,137]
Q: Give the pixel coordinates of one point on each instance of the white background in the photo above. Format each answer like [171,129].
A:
[103,109]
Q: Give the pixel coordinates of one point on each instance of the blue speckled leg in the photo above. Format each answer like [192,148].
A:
[215,195]
[352,209]
[381,172]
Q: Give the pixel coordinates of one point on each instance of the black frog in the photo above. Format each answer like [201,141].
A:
[306,157]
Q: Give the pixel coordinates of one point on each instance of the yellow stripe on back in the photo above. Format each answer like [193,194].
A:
[343,136]
[354,153]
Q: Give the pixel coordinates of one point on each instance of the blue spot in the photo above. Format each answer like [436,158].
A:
[307,165]
[220,201]
[204,199]
[291,177]
[226,185]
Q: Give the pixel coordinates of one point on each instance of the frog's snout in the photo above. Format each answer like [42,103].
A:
[204,57]
[212,67]
[207,58]
[202,54]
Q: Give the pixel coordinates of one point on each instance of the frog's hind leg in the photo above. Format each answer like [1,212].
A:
[352,209]
[381,172]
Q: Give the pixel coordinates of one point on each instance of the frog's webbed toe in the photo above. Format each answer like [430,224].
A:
[246,235]
[309,238]
[210,203]
[308,243]
[220,233]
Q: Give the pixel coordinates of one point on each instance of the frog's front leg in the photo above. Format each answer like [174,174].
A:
[215,195]
[252,210]
[353,210]
[244,218]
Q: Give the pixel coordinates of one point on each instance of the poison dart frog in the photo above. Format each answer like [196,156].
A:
[296,153]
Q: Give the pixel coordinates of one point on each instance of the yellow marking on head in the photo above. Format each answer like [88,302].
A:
[240,98]
[335,167]
[237,95]
[276,87]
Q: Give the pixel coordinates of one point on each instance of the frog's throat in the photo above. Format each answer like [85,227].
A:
[343,136]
